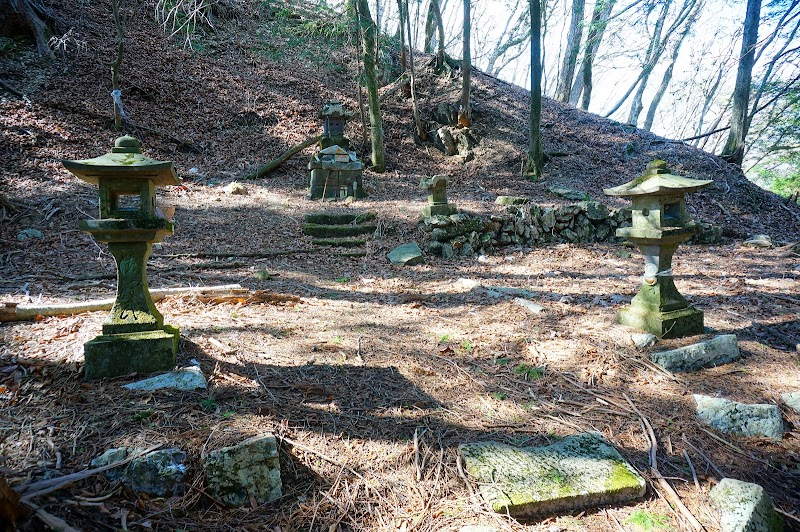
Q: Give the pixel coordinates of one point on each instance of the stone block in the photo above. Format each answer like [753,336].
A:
[751,420]
[250,469]
[511,200]
[668,324]
[160,473]
[530,306]
[595,210]
[719,350]
[185,379]
[581,471]
[792,400]
[406,255]
[115,355]
[443,209]
[745,507]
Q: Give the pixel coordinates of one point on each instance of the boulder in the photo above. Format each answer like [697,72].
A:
[643,340]
[719,350]
[248,470]
[792,400]
[581,471]
[758,241]
[160,473]
[406,255]
[744,507]
[751,420]
[595,210]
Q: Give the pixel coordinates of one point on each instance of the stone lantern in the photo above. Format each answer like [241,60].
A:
[437,196]
[336,171]
[135,338]
[660,224]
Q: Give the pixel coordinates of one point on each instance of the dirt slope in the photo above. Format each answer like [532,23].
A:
[373,354]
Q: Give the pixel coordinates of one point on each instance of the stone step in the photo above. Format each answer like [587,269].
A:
[339,242]
[334,218]
[338,230]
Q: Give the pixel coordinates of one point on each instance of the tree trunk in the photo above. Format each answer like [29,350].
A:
[597,27]
[511,36]
[440,32]
[115,90]
[368,36]
[734,147]
[430,21]
[34,16]
[417,121]
[651,58]
[564,85]
[465,113]
[402,9]
[651,111]
[535,160]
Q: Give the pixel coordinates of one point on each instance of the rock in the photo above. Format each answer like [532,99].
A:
[744,507]
[235,189]
[759,420]
[160,473]
[439,221]
[719,350]
[185,380]
[407,255]
[467,250]
[26,234]
[548,219]
[581,471]
[448,251]
[568,193]
[511,200]
[249,469]
[528,305]
[595,210]
[758,241]
[792,400]
[643,340]
[446,139]
[433,247]
[569,235]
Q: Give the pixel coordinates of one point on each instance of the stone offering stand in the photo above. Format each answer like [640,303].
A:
[336,171]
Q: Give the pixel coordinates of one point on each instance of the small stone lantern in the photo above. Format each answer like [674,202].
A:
[660,224]
[336,171]
[135,338]
[437,197]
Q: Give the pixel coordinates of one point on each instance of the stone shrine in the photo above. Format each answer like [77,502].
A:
[135,338]
[659,224]
[437,197]
[336,171]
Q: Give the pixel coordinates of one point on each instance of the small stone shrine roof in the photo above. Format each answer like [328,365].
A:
[656,181]
[124,161]
[335,109]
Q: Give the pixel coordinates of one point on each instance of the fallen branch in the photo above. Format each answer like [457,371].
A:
[15,312]
[53,522]
[282,158]
[43,487]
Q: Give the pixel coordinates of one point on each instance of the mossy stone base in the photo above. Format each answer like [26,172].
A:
[338,230]
[114,355]
[670,324]
[581,471]
[443,209]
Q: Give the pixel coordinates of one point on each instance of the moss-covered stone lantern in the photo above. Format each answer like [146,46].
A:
[436,186]
[660,223]
[135,338]
[336,171]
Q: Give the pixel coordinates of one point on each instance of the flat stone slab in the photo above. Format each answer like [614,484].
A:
[185,380]
[528,305]
[160,473]
[719,350]
[745,507]
[741,419]
[511,200]
[250,469]
[792,400]
[407,255]
[581,471]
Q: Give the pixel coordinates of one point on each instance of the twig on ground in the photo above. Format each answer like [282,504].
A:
[325,457]
[691,468]
[704,457]
[53,522]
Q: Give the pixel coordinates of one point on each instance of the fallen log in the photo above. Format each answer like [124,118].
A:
[10,311]
[282,158]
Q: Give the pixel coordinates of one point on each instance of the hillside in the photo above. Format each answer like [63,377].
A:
[385,369]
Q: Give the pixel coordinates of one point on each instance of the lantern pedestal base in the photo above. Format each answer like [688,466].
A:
[670,324]
[115,355]
[442,209]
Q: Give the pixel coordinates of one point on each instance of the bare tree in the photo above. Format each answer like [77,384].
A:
[535,159]
[733,151]
[465,112]
[570,59]
[512,36]
[368,37]
[597,27]
[437,14]
[417,121]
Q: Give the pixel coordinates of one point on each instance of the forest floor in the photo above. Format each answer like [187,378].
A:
[376,374]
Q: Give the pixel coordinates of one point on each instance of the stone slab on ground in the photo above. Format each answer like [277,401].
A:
[792,400]
[719,350]
[511,200]
[528,305]
[184,379]
[250,469]
[745,507]
[160,473]
[581,471]
[741,419]
[407,255]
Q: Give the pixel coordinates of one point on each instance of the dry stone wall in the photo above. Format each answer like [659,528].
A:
[531,225]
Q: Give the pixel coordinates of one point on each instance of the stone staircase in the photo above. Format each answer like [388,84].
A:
[348,230]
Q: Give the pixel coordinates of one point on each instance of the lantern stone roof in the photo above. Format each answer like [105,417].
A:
[335,109]
[124,161]
[657,181]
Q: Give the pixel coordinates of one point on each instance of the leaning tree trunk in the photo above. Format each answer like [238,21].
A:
[564,85]
[597,27]
[734,147]
[367,26]
[437,13]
